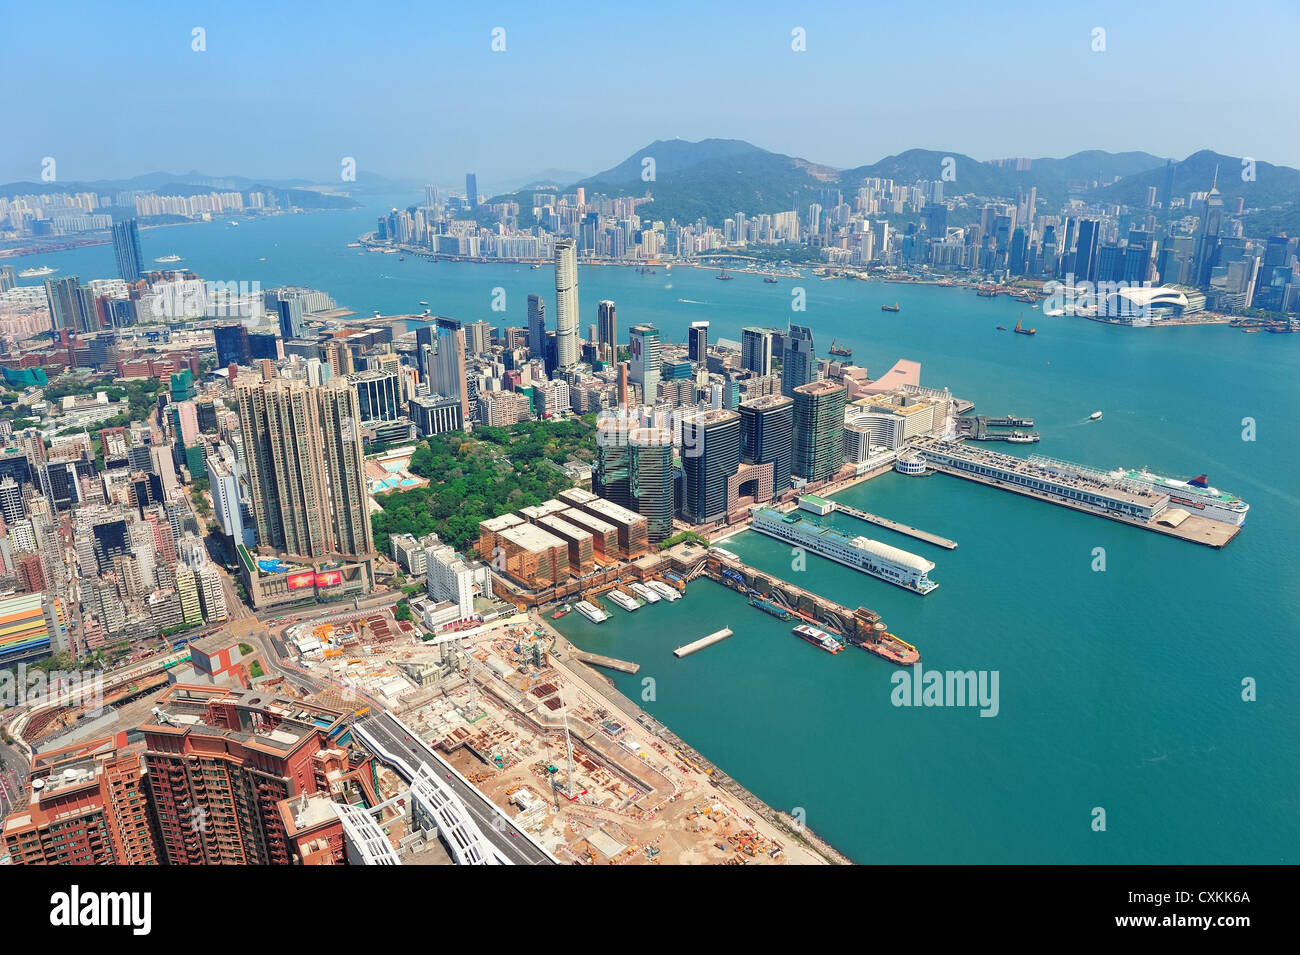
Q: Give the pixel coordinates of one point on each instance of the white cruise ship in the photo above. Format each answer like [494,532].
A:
[623,600]
[591,611]
[644,592]
[1195,494]
[890,564]
[663,590]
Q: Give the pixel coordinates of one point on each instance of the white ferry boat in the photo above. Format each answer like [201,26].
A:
[663,590]
[645,593]
[623,600]
[167,259]
[884,561]
[1195,494]
[36,273]
[591,611]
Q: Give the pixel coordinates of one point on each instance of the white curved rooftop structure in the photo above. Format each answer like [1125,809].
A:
[895,554]
[1164,296]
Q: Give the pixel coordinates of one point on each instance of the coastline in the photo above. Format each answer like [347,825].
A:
[786,825]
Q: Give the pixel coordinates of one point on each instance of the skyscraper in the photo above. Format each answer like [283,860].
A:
[710,455]
[767,435]
[566,303]
[126,246]
[232,345]
[447,374]
[607,330]
[66,305]
[302,452]
[643,351]
[800,359]
[697,342]
[1207,240]
[1085,256]
[818,430]
[536,326]
[650,480]
[756,350]
[471,190]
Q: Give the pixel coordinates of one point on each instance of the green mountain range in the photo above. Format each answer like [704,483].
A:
[715,178]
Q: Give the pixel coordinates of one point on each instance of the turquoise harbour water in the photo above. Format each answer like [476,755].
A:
[1120,689]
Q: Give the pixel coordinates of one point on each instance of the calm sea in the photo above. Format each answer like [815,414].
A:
[1119,690]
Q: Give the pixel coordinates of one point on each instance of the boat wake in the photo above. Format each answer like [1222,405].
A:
[691,301]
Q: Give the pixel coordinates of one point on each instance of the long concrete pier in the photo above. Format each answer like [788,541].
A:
[609,663]
[698,645]
[879,521]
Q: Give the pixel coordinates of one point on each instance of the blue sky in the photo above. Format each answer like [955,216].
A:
[415,91]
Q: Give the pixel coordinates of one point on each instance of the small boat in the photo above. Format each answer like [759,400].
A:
[401,258]
[424,303]
[565,609]
[890,308]
[1002,328]
[233,222]
[354,245]
[1095,416]
[768,280]
[166,259]
[722,276]
[1033,306]
[535,267]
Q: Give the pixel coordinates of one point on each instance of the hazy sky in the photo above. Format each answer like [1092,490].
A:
[287,88]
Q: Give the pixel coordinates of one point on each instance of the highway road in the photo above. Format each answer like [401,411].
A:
[519,849]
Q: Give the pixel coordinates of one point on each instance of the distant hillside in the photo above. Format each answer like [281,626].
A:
[715,178]
[191,184]
[1270,200]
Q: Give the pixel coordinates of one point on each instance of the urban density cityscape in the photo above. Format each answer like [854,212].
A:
[500,521]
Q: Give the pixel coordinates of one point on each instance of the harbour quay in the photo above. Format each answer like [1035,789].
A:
[1117,498]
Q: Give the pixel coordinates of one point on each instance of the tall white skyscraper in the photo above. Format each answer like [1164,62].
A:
[643,346]
[566,303]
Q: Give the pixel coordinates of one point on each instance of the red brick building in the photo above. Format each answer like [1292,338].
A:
[88,805]
[220,761]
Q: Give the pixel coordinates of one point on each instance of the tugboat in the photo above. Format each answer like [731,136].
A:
[840,351]
[1019,330]
[769,280]
[890,308]
[722,276]
[1002,328]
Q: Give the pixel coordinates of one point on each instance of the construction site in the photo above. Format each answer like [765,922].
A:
[542,736]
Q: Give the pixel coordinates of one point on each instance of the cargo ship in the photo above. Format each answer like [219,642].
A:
[890,308]
[664,590]
[883,561]
[722,276]
[776,610]
[644,592]
[1195,494]
[591,611]
[624,601]
[840,351]
[1021,330]
[818,638]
